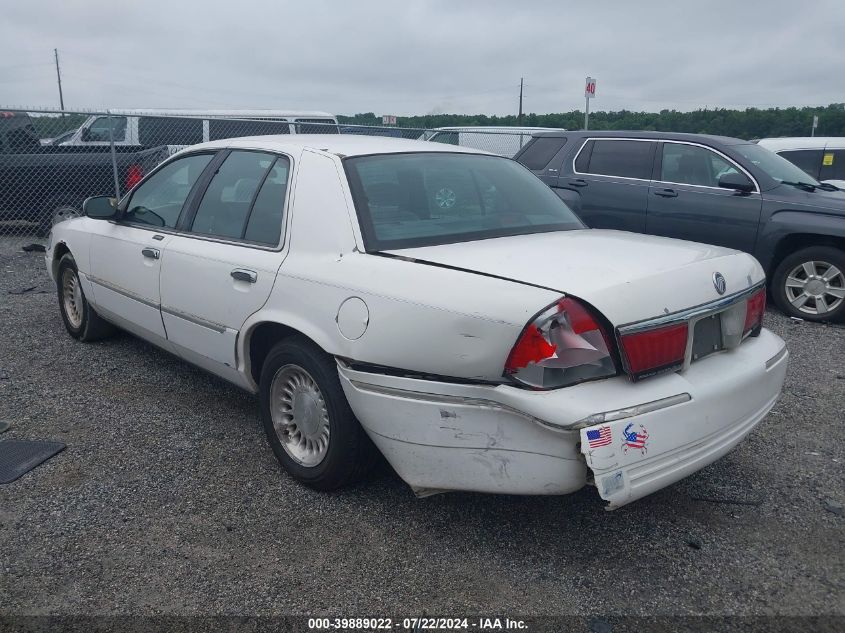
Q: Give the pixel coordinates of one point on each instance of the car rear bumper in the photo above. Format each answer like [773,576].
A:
[502,439]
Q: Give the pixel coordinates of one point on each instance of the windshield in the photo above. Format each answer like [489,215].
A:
[775,166]
[427,198]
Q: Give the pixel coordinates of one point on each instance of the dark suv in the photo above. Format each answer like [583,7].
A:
[711,189]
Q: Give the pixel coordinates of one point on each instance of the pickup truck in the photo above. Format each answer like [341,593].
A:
[710,189]
[41,182]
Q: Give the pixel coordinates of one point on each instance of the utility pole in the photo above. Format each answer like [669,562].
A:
[519,118]
[59,77]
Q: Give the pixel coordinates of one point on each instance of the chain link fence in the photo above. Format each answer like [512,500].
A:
[51,161]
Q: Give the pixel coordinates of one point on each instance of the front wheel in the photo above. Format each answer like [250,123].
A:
[308,421]
[80,319]
[810,284]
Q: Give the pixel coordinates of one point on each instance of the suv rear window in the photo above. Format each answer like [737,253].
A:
[625,158]
[154,131]
[540,153]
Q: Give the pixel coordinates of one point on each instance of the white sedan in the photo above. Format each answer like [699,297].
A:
[437,303]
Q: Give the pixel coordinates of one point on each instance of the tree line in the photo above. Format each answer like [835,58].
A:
[750,123]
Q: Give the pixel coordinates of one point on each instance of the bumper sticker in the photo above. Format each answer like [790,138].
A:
[599,437]
[635,439]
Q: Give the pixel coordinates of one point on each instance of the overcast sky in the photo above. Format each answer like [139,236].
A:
[420,57]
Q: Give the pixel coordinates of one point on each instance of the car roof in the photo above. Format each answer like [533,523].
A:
[339,144]
[494,128]
[657,136]
[225,113]
[802,142]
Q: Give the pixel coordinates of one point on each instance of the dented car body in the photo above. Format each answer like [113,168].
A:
[483,338]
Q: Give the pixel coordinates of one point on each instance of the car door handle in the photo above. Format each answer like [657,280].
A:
[666,193]
[579,182]
[242,274]
[152,253]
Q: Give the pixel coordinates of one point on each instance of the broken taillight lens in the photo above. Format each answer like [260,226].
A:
[564,345]
[754,310]
[654,351]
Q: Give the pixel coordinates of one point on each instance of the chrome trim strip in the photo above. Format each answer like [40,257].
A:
[630,412]
[456,400]
[211,325]
[122,291]
[660,140]
[774,360]
[703,310]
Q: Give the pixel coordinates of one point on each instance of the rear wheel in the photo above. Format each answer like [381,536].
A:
[810,284]
[80,319]
[308,421]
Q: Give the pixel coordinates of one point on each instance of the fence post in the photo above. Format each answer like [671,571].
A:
[113,157]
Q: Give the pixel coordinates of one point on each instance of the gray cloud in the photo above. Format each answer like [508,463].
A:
[417,57]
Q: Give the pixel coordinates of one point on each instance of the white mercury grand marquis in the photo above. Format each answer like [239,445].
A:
[437,303]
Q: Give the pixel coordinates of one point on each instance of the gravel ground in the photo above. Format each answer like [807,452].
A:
[167,500]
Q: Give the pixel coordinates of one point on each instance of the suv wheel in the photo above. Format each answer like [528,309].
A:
[810,284]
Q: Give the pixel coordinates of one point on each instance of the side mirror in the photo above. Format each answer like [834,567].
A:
[737,181]
[100,208]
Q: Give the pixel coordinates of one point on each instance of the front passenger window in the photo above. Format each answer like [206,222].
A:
[693,165]
[158,201]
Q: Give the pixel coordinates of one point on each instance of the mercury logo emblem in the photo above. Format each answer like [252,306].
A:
[719,283]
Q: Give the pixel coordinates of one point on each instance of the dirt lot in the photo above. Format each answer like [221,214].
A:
[168,501]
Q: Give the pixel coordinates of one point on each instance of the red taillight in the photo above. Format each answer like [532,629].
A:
[134,175]
[655,350]
[530,348]
[563,345]
[754,310]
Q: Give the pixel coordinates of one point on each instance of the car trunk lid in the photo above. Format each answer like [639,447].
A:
[628,277]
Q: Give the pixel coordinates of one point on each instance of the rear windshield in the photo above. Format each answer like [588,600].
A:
[428,198]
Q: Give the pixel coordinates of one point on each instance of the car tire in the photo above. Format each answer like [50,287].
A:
[810,284]
[307,419]
[80,319]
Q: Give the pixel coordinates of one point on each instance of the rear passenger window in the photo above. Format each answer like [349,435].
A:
[223,128]
[809,160]
[629,159]
[541,152]
[154,131]
[247,183]
[265,219]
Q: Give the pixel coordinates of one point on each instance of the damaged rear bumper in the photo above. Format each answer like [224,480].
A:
[635,437]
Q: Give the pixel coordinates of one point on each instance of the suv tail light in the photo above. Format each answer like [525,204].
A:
[564,345]
[134,175]
[654,351]
[754,310]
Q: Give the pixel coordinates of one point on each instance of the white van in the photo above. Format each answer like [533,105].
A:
[504,141]
[823,157]
[151,128]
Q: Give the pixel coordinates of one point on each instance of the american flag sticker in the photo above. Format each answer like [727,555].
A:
[599,437]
